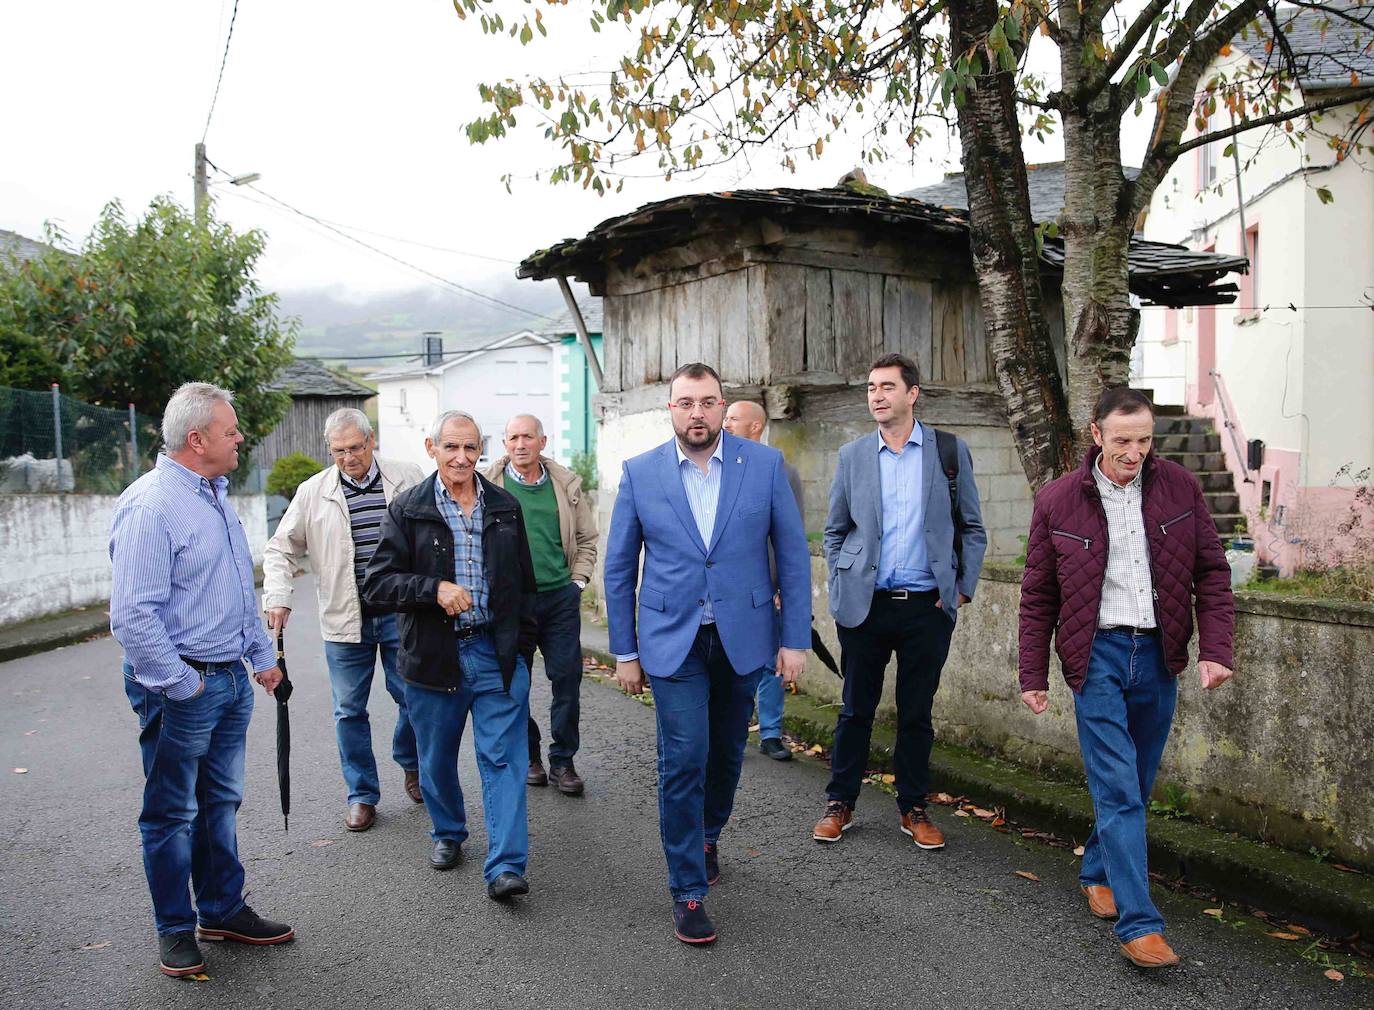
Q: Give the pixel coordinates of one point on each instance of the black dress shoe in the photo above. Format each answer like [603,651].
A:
[179,955]
[506,886]
[691,924]
[775,749]
[246,927]
[446,855]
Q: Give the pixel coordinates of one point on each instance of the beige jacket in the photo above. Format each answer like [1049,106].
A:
[576,521]
[316,521]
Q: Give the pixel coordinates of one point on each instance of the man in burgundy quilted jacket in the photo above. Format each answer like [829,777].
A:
[1118,549]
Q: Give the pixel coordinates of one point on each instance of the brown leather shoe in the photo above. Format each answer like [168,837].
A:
[1149,951]
[839,818]
[916,824]
[360,816]
[567,780]
[1101,901]
[536,776]
[413,787]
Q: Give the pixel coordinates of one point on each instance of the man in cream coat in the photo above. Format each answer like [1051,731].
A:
[336,516]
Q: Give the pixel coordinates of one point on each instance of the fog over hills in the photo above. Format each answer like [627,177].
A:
[342,326]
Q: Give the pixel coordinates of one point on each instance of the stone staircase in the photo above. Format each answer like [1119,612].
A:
[1191,442]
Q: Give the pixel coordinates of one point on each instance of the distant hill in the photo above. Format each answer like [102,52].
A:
[340,326]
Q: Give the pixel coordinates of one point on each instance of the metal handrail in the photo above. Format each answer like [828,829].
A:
[1222,398]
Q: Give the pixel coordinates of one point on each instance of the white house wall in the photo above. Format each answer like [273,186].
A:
[405,409]
[502,382]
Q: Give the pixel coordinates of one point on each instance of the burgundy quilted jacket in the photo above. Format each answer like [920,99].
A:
[1066,561]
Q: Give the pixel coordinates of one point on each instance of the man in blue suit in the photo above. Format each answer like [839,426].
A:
[703,509]
[904,542]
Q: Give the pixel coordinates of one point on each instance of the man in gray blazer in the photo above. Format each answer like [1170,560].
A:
[904,542]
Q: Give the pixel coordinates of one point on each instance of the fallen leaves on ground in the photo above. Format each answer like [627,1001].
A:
[815,748]
[887,780]
[96,946]
[997,822]
[1027,875]
[753,852]
[1280,935]
[945,799]
[1215,913]
[982,814]
[34,732]
[1303,930]
[21,771]
[1078,851]
[961,813]
[1338,866]
[1334,975]
[321,842]
[202,977]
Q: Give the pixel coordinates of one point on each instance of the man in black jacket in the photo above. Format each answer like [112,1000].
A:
[453,561]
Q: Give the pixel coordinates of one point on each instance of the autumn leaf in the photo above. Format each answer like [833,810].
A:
[1278,935]
[961,813]
[321,842]
[21,771]
[201,977]
[887,780]
[1343,868]
[815,749]
[1078,851]
[1215,913]
[96,946]
[1301,930]
[1027,875]
[986,815]
[1334,975]
[997,822]
[1225,50]
[943,798]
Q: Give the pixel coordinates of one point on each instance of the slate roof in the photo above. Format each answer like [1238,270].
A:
[1045,182]
[1327,46]
[591,318]
[457,348]
[1160,273]
[24,249]
[307,377]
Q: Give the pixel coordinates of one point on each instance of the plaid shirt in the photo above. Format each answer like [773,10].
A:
[1127,589]
[467,553]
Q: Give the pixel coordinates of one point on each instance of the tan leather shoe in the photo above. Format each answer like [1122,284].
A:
[1101,901]
[839,818]
[360,817]
[1149,951]
[916,824]
[413,787]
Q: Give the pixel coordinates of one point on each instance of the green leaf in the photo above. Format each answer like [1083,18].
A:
[526,35]
[1006,59]
[1160,74]
[1228,150]
[1142,86]
[1324,195]
[997,38]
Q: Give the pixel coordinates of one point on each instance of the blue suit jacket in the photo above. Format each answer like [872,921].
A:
[651,514]
[854,527]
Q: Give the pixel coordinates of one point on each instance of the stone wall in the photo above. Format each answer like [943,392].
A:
[1282,753]
[55,550]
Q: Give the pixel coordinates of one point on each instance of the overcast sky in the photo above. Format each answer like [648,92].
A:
[351,110]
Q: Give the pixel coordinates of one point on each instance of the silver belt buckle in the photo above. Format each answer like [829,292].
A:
[899,594]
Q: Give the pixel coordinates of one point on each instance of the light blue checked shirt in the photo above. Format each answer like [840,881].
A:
[467,552]
[183,580]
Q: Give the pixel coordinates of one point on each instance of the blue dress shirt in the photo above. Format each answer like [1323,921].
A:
[183,580]
[902,559]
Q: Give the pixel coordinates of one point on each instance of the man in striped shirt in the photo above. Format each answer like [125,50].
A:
[336,516]
[182,606]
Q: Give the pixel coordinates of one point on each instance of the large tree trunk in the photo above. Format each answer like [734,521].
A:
[1005,259]
[1099,323]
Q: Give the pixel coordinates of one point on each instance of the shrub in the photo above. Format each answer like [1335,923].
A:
[289,472]
[584,465]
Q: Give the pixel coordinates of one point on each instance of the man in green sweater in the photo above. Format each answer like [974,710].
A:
[561,529]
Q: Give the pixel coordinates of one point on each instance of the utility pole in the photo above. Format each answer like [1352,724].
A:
[202,185]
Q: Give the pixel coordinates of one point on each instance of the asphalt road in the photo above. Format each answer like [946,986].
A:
[869,922]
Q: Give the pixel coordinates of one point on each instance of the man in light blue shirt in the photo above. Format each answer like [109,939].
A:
[182,606]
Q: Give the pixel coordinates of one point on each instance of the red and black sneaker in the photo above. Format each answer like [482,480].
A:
[712,864]
[691,923]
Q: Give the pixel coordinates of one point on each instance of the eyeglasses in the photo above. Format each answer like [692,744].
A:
[348,450]
[709,403]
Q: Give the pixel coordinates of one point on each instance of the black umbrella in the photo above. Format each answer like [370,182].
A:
[282,695]
[822,653]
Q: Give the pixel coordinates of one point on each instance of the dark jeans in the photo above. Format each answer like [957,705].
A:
[919,632]
[558,613]
[702,712]
[193,759]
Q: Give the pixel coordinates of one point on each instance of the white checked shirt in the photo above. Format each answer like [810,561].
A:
[1127,589]
[703,494]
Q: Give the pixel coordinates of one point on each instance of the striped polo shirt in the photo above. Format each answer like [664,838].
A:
[366,506]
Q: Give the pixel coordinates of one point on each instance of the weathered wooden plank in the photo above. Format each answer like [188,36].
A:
[971,405]
[732,306]
[708,309]
[785,296]
[875,317]
[892,314]
[947,335]
[756,322]
[975,341]
[820,323]
[914,296]
[853,337]
[687,318]
[613,336]
[632,351]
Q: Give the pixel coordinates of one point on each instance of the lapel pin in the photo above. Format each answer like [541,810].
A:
[739,459]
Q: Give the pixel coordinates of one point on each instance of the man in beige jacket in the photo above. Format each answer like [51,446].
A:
[336,516]
[561,530]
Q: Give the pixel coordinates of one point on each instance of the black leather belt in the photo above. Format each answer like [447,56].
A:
[1132,630]
[921,595]
[471,631]
[202,666]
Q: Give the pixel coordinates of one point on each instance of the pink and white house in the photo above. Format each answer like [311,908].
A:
[1291,363]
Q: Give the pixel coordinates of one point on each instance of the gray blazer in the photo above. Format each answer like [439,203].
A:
[854,527]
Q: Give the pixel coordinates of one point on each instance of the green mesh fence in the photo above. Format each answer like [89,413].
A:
[51,443]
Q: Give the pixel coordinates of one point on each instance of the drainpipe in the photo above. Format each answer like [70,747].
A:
[581,327]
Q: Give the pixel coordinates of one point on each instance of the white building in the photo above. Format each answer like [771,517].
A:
[1291,363]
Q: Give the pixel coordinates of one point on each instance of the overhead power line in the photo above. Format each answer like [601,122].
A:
[220,80]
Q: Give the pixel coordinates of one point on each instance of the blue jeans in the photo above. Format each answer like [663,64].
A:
[499,736]
[558,612]
[1124,710]
[770,700]
[193,754]
[702,712]
[351,665]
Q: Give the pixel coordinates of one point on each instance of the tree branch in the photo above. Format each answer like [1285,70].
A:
[1133,35]
[1346,98]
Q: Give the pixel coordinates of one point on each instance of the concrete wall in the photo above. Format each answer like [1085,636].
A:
[1281,753]
[55,550]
